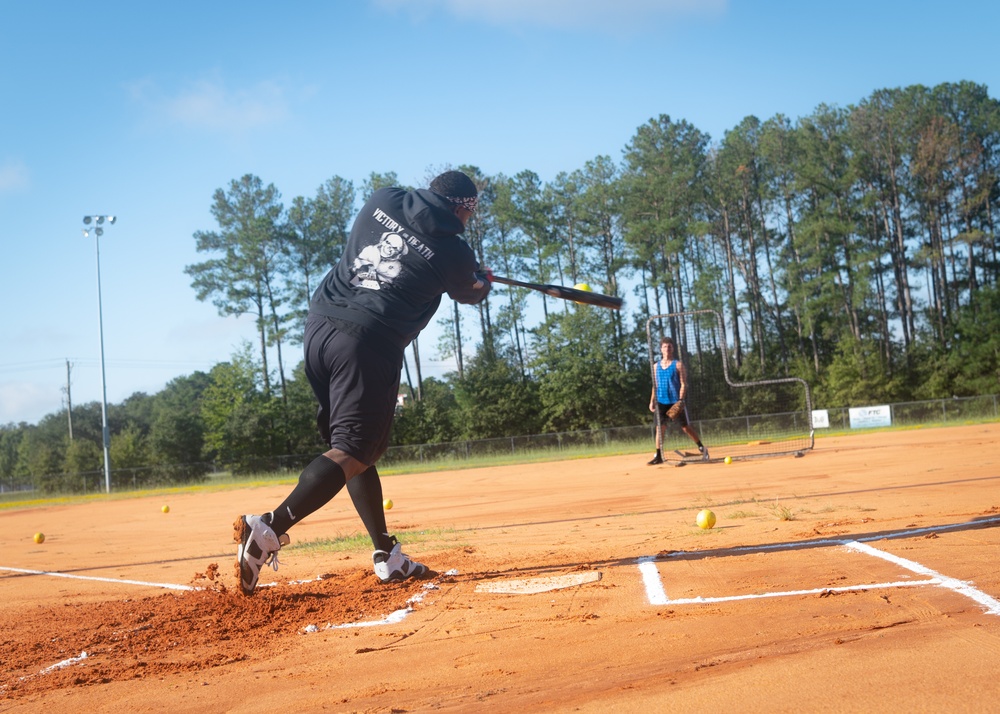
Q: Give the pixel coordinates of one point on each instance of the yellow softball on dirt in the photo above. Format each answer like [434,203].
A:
[728,459]
[39,537]
[387,504]
[165,509]
[706,519]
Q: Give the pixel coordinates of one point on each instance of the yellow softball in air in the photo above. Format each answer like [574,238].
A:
[165,509]
[387,504]
[582,287]
[728,459]
[39,537]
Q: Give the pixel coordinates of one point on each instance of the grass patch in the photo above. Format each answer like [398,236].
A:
[32,499]
[355,542]
[224,481]
[542,455]
[741,499]
[359,542]
[782,512]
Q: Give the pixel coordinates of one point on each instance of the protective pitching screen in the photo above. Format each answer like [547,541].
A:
[733,415]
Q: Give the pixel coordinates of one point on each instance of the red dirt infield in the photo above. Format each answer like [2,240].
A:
[862,576]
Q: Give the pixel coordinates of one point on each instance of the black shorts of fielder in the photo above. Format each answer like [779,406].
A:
[356,382]
[662,409]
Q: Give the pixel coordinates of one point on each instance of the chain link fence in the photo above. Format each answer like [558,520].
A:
[715,432]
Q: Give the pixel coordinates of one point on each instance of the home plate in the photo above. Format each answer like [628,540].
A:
[530,586]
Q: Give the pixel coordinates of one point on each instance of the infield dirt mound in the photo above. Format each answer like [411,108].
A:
[190,631]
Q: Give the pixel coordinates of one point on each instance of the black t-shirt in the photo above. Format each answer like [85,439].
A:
[403,253]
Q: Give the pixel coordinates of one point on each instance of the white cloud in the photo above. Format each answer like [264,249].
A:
[210,104]
[13,176]
[611,15]
[27,401]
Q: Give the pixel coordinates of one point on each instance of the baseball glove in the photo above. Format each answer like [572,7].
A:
[674,411]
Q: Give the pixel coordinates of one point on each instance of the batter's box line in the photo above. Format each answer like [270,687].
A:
[116,581]
[656,594]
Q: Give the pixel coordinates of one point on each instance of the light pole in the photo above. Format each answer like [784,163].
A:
[98,231]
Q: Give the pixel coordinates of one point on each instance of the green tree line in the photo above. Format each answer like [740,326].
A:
[854,248]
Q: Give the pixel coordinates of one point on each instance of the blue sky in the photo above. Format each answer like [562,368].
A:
[143,110]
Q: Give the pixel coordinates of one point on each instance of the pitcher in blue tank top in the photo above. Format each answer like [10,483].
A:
[670,388]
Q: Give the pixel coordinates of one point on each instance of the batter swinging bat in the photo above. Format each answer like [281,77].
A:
[558,291]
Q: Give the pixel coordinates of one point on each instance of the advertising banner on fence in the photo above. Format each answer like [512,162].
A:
[869,417]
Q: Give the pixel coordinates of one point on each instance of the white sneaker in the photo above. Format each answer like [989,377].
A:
[396,565]
[704,453]
[258,546]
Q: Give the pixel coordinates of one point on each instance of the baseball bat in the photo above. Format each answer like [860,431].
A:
[564,293]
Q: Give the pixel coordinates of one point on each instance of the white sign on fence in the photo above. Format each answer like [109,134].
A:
[868,417]
[821,419]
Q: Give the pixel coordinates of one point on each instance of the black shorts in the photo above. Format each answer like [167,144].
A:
[356,382]
[662,410]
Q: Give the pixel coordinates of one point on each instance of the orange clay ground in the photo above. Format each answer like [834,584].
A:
[863,576]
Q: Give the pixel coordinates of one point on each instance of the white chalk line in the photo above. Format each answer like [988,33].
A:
[652,580]
[53,668]
[991,605]
[64,663]
[656,595]
[54,574]
[391,619]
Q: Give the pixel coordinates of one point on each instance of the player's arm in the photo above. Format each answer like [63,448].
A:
[682,374]
[472,290]
[468,283]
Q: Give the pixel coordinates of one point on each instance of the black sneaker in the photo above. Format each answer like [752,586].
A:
[656,460]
